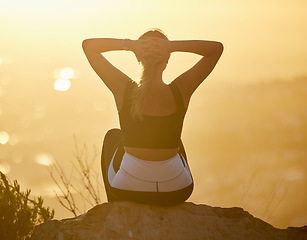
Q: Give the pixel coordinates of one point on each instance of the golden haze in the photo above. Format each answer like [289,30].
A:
[245,132]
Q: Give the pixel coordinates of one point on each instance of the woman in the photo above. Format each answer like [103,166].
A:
[145,160]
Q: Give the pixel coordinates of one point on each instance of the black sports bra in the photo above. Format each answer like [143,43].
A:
[159,132]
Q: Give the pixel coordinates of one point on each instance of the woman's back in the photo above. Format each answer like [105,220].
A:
[156,135]
[160,101]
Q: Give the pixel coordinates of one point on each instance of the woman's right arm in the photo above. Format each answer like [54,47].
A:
[113,78]
[192,78]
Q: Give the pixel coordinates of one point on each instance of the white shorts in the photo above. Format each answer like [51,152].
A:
[150,176]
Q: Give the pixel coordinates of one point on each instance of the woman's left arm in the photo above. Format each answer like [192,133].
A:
[210,51]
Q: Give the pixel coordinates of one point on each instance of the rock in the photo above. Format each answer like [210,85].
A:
[188,221]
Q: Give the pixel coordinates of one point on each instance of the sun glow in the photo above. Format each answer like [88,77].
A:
[49,91]
[37,8]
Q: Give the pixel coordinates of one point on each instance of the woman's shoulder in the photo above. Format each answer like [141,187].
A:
[124,93]
[132,83]
[129,86]
[179,90]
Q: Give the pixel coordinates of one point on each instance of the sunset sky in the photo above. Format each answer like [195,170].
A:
[262,39]
[44,74]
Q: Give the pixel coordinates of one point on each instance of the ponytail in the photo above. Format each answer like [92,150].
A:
[141,91]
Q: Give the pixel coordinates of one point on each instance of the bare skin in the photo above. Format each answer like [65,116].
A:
[159,101]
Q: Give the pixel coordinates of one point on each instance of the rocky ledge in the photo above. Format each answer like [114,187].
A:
[188,221]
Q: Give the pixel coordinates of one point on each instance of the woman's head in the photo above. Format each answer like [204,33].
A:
[153,32]
[153,56]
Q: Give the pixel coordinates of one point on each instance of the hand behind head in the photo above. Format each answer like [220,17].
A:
[152,50]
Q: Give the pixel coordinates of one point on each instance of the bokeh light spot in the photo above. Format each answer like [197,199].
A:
[61,85]
[5,168]
[294,175]
[14,139]
[67,73]
[4,137]
[44,159]
[17,158]
[64,73]
[40,111]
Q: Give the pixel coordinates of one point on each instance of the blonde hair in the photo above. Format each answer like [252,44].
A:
[149,68]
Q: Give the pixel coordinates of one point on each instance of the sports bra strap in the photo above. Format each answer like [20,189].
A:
[177,96]
[127,95]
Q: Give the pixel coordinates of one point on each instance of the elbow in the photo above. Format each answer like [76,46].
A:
[216,50]
[85,44]
[220,48]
